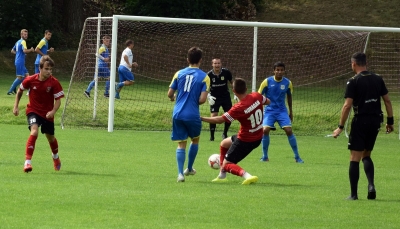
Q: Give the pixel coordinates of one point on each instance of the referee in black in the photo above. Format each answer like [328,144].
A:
[219,78]
[363,93]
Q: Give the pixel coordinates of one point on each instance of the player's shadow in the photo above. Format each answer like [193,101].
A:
[259,183]
[74,173]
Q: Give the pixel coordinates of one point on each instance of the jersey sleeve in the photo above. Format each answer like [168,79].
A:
[23,43]
[233,114]
[101,50]
[206,82]
[263,87]
[290,88]
[57,90]
[41,44]
[229,75]
[350,89]
[174,81]
[25,84]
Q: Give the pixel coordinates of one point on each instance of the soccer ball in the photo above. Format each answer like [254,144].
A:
[213,161]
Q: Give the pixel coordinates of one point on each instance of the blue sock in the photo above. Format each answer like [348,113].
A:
[293,144]
[193,149]
[107,88]
[265,145]
[180,159]
[15,84]
[91,85]
[120,85]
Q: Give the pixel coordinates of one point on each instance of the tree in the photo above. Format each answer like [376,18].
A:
[72,16]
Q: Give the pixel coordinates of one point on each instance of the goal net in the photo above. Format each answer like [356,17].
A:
[317,62]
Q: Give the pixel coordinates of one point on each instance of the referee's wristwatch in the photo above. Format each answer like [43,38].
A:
[340,127]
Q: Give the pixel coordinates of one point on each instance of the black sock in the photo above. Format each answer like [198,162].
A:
[369,169]
[226,127]
[212,129]
[354,175]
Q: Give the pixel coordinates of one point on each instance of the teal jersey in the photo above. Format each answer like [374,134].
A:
[19,47]
[189,83]
[276,91]
[43,46]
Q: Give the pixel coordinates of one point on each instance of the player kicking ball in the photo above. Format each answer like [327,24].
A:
[44,101]
[249,112]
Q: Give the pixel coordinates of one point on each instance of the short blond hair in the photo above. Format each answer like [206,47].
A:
[23,30]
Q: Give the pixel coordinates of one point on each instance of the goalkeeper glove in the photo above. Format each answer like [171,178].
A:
[211,99]
[235,98]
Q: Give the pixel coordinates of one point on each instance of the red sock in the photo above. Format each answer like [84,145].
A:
[54,146]
[30,147]
[234,169]
[222,153]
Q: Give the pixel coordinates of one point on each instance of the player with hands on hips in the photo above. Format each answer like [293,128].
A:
[219,95]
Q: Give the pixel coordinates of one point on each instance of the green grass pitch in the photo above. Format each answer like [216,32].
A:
[127,179]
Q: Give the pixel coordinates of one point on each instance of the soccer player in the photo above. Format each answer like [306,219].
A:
[126,77]
[192,85]
[44,101]
[363,93]
[219,78]
[103,71]
[249,112]
[277,88]
[42,48]
[20,50]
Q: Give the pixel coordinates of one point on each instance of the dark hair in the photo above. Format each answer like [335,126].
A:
[359,58]
[128,42]
[46,59]
[239,85]
[106,37]
[47,31]
[279,64]
[194,55]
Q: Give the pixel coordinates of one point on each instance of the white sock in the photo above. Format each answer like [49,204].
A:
[222,174]
[55,156]
[28,162]
[246,175]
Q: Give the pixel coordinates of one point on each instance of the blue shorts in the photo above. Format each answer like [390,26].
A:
[181,130]
[124,74]
[21,70]
[282,118]
[103,72]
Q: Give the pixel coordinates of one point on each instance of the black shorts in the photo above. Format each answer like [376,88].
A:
[240,149]
[363,133]
[225,102]
[47,127]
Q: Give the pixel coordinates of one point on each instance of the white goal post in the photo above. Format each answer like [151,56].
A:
[308,43]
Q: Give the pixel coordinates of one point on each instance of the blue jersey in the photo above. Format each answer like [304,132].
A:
[190,82]
[276,91]
[104,52]
[43,46]
[19,47]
